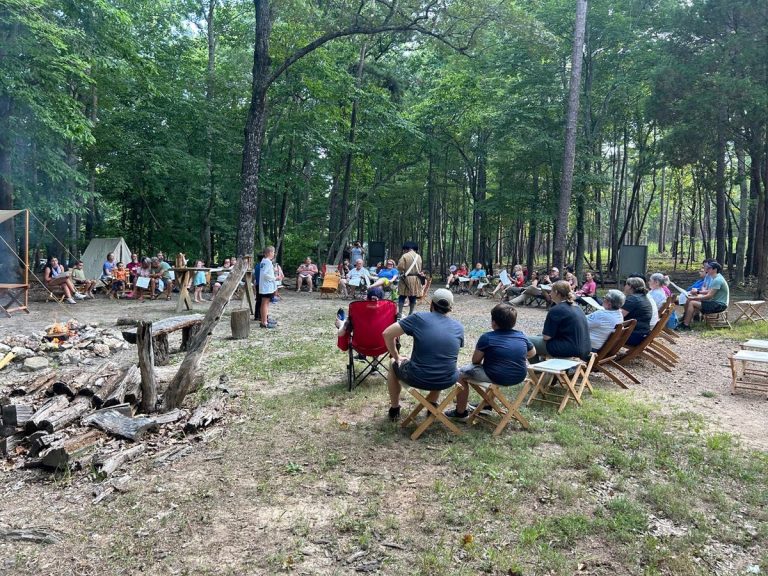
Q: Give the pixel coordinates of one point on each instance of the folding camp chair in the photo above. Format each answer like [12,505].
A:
[562,379]
[493,393]
[331,280]
[605,362]
[651,348]
[667,333]
[434,413]
[367,320]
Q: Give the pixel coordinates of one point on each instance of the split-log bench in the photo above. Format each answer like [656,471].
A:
[188,325]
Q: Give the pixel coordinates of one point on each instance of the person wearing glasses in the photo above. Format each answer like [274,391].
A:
[386,276]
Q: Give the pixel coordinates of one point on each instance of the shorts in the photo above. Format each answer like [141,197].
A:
[403,371]
[712,307]
[267,295]
[477,373]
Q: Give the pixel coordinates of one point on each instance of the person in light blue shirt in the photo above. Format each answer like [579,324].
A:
[477,276]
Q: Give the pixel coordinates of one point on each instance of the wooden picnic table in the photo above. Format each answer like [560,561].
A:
[185,276]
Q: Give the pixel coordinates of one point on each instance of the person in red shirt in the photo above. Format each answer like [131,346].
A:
[453,277]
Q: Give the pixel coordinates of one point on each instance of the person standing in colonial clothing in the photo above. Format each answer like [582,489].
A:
[409,268]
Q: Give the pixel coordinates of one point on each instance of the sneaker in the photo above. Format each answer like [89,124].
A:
[683,327]
[394,414]
[340,314]
[274,300]
[79,296]
[454,415]
[71,301]
[268,326]
[359,357]
[487,411]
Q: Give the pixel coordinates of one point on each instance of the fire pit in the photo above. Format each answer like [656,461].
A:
[58,332]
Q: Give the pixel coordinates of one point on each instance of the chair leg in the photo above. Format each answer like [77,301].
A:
[435,413]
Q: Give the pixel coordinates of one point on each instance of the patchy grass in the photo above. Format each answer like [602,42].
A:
[315,480]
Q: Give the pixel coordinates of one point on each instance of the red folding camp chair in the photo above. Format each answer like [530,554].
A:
[368,319]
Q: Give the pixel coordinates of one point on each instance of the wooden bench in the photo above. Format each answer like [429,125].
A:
[746,377]
[188,325]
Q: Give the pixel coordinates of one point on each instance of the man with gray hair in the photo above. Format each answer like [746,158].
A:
[603,322]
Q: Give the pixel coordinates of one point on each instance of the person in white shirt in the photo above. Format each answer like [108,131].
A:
[357,276]
[267,285]
[602,323]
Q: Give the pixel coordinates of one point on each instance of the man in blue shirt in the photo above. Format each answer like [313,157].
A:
[477,276]
[436,342]
[501,357]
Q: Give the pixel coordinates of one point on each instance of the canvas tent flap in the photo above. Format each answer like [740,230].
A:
[96,253]
[8,214]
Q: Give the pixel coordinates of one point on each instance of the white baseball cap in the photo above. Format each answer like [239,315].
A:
[443,298]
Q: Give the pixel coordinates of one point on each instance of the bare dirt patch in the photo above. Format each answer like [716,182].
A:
[309,479]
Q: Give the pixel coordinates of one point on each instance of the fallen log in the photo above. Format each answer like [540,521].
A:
[17,414]
[39,441]
[61,419]
[107,372]
[169,417]
[107,388]
[206,414]
[50,407]
[131,378]
[34,535]
[107,465]
[124,409]
[35,385]
[112,422]
[133,391]
[8,444]
[60,453]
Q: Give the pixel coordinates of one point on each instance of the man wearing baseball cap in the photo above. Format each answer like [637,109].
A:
[710,301]
[436,342]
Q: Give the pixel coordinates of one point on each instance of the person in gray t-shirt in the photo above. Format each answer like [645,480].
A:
[436,342]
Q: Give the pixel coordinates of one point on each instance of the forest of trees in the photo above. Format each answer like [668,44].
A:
[215,127]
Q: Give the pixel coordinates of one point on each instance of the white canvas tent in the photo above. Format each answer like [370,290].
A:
[96,253]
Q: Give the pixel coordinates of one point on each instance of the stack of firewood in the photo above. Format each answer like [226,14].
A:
[89,421]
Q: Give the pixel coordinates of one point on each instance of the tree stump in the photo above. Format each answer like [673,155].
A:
[161,349]
[241,323]
[146,366]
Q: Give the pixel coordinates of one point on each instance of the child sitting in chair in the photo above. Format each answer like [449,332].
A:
[501,357]
[120,277]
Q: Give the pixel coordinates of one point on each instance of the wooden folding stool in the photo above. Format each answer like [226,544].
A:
[490,393]
[553,380]
[435,413]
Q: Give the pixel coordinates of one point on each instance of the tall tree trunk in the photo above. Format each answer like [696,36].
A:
[254,130]
[741,241]
[720,215]
[569,155]
[206,244]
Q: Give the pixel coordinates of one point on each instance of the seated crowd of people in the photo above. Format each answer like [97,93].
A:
[141,278]
[502,355]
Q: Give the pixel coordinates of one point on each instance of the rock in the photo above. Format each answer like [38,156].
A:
[4,348]
[71,356]
[114,343]
[101,350]
[35,363]
[22,353]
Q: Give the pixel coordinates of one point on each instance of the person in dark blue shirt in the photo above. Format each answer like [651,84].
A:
[436,342]
[500,356]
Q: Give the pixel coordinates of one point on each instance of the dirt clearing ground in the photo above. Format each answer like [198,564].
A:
[306,478]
